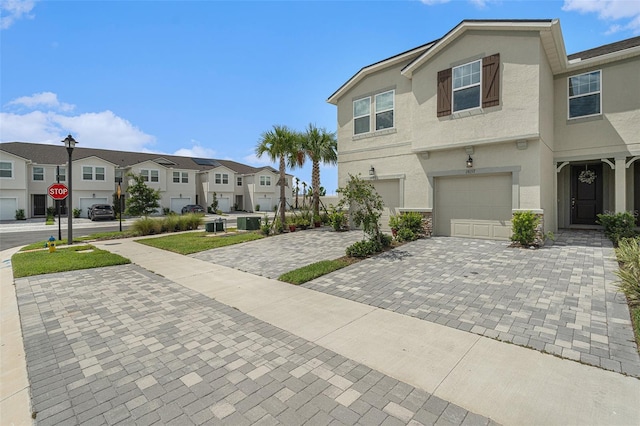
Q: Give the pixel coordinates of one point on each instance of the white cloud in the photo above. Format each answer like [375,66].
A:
[432,2]
[44,99]
[253,160]
[610,10]
[197,150]
[91,130]
[12,10]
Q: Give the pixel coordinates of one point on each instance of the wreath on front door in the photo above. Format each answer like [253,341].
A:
[587,176]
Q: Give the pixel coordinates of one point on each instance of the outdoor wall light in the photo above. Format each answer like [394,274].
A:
[372,171]
[469,162]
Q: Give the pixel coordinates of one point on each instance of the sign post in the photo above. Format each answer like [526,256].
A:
[58,191]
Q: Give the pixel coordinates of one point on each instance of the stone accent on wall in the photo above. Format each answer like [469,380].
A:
[427,220]
[539,238]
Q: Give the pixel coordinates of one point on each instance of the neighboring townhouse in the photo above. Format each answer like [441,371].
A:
[28,169]
[495,118]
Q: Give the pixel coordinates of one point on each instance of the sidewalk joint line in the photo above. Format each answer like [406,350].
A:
[435,389]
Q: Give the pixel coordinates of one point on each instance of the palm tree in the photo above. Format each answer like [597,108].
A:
[281,144]
[319,146]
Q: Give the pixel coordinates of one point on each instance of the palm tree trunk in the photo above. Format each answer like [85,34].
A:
[315,182]
[283,198]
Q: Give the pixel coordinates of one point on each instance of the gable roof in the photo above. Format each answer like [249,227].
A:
[57,154]
[606,49]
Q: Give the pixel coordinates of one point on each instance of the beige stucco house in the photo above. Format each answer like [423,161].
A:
[493,118]
[28,169]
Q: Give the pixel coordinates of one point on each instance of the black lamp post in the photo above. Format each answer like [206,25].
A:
[70,143]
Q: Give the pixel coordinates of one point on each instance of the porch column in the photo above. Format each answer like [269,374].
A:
[621,184]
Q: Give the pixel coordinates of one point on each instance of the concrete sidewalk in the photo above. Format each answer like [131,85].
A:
[510,384]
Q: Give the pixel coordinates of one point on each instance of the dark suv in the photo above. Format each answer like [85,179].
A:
[192,208]
[101,211]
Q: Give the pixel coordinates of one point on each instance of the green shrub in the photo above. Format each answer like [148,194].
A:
[193,220]
[170,223]
[337,219]
[257,207]
[628,253]
[51,211]
[523,226]
[407,226]
[20,215]
[406,234]
[147,226]
[364,248]
[265,227]
[76,213]
[618,225]
[385,240]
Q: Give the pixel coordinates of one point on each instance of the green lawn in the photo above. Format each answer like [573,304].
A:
[315,270]
[193,242]
[97,236]
[62,260]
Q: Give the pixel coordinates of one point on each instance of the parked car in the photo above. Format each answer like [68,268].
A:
[101,211]
[193,208]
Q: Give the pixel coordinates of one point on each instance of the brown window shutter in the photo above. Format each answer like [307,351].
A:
[444,92]
[491,80]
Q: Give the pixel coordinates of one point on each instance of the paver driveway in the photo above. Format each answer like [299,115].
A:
[121,345]
[558,299]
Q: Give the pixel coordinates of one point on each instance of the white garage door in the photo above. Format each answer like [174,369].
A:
[178,203]
[8,207]
[265,204]
[85,203]
[474,206]
[224,204]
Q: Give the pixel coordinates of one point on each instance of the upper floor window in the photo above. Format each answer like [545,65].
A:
[150,175]
[239,181]
[221,178]
[6,169]
[92,173]
[361,115]
[466,86]
[384,110]
[180,177]
[62,174]
[38,173]
[584,95]
[472,85]
[265,180]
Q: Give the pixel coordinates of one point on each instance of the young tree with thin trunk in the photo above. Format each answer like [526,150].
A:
[282,145]
[320,146]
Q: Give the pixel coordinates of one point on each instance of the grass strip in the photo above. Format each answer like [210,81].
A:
[194,242]
[67,259]
[315,270]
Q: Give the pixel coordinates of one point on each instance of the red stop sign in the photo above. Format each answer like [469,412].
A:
[58,191]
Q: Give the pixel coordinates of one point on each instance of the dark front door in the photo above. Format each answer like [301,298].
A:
[586,194]
[39,205]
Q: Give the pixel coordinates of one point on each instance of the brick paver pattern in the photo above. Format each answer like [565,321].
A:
[560,299]
[121,345]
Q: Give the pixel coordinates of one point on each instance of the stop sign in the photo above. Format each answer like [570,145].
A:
[58,191]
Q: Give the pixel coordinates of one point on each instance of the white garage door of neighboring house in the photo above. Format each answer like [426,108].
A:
[473,206]
[85,203]
[178,203]
[265,204]
[224,204]
[8,207]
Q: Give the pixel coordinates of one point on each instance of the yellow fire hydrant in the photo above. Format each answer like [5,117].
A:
[52,244]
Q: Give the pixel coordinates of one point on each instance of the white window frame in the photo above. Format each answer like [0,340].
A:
[10,163]
[84,173]
[33,173]
[455,89]
[62,175]
[265,180]
[94,173]
[355,117]
[180,177]
[392,109]
[217,179]
[239,181]
[569,97]
[147,175]
[225,178]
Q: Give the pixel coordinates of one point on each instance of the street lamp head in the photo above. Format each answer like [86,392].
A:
[69,142]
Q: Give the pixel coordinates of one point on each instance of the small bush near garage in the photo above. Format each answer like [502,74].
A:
[20,215]
[618,225]
[407,226]
[523,226]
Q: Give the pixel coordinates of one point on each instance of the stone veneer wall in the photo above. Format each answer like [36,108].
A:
[539,238]
[427,220]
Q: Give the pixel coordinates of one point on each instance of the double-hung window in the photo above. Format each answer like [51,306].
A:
[265,180]
[180,177]
[99,173]
[38,173]
[361,115]
[239,181]
[384,110]
[6,169]
[585,95]
[150,175]
[93,173]
[87,173]
[221,178]
[466,86]
[62,174]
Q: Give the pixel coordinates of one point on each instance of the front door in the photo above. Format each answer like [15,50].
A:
[586,193]
[39,205]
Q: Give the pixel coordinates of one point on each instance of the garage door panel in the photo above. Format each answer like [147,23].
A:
[224,204]
[474,206]
[8,207]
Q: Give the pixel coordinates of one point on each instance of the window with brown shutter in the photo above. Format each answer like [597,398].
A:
[491,80]
[444,93]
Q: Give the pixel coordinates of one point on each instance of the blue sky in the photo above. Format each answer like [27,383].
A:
[206,78]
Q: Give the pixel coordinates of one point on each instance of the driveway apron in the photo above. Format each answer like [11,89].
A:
[121,345]
[559,299]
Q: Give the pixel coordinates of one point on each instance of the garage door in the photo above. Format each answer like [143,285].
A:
[8,207]
[85,203]
[178,203]
[265,204]
[474,206]
[224,204]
